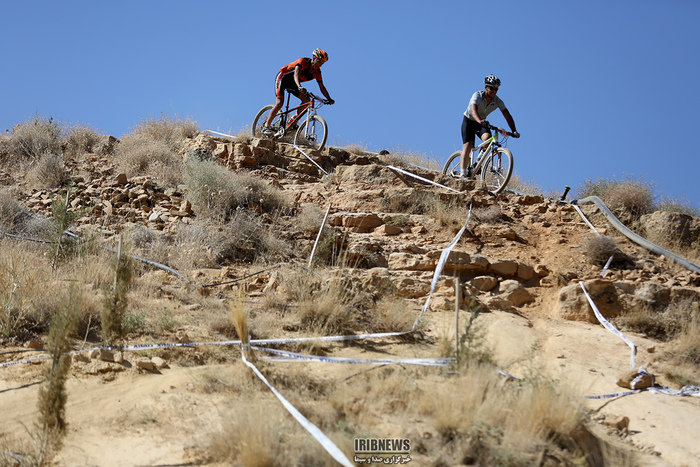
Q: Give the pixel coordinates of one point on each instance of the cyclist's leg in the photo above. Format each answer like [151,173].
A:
[464,160]
[279,94]
[304,99]
[484,134]
[469,129]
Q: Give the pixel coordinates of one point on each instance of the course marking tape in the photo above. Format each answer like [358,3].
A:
[292,340]
[307,156]
[405,172]
[606,324]
[580,213]
[441,264]
[607,265]
[220,134]
[321,437]
[293,356]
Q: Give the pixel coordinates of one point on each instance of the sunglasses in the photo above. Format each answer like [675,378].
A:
[493,88]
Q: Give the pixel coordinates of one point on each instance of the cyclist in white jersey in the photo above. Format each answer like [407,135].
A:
[474,122]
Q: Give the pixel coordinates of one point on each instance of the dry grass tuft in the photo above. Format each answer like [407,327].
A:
[488,215]
[12,216]
[392,314]
[48,171]
[217,194]
[33,138]
[250,437]
[629,199]
[406,159]
[153,148]
[599,248]
[80,139]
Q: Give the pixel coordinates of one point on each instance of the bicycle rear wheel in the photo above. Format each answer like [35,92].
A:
[451,167]
[261,118]
[496,171]
[316,134]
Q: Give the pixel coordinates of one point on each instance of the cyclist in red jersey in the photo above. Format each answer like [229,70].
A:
[290,78]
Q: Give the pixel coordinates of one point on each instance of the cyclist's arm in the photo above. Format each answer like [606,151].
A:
[324,91]
[297,73]
[474,113]
[509,119]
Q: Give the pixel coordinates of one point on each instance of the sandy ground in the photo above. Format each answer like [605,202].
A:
[142,419]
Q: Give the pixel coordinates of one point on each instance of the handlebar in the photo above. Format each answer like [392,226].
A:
[319,100]
[502,131]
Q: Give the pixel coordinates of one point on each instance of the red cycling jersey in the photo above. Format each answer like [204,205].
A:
[306,72]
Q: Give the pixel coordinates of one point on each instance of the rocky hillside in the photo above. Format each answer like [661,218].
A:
[517,268]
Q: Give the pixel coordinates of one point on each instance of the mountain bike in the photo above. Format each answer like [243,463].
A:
[493,166]
[311,129]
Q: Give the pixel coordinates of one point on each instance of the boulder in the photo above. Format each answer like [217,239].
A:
[507,268]
[573,305]
[515,293]
[485,283]
[662,226]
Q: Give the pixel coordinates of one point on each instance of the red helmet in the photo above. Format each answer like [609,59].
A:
[321,55]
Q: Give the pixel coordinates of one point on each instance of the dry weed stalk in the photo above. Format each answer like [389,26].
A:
[53,397]
[241,325]
[115,298]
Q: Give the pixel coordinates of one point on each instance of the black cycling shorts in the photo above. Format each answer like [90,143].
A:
[286,82]
[470,129]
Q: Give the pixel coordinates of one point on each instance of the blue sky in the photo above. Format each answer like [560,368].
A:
[597,88]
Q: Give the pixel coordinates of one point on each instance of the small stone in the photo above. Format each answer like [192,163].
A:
[159,363]
[620,423]
[34,344]
[145,364]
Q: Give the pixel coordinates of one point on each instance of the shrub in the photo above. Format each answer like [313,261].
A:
[12,216]
[407,159]
[52,395]
[20,281]
[153,146]
[488,215]
[36,137]
[168,130]
[139,155]
[599,248]
[391,314]
[49,171]
[115,299]
[216,193]
[629,199]
[64,246]
[682,206]
[80,140]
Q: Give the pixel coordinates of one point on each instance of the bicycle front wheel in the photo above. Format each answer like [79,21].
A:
[496,171]
[260,120]
[313,132]
[451,167]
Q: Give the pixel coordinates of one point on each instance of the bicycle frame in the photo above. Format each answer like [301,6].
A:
[483,150]
[308,110]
